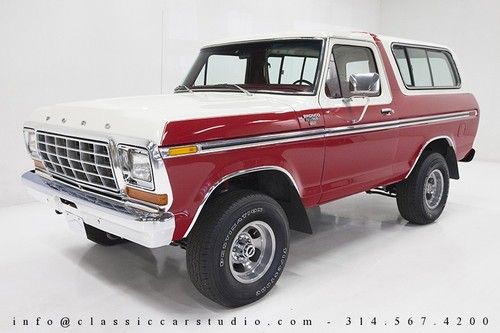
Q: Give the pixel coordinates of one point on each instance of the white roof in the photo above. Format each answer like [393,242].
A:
[390,39]
[354,35]
[321,34]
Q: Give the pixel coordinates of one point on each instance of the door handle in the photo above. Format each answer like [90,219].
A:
[387,111]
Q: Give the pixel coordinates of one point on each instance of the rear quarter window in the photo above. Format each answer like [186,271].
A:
[426,68]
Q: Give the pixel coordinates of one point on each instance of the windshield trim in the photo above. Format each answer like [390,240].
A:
[258,40]
[317,81]
[260,91]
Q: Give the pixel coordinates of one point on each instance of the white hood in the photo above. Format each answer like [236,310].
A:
[145,116]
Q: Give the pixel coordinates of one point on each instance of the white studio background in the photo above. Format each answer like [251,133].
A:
[55,51]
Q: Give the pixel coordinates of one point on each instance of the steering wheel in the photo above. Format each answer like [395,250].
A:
[299,81]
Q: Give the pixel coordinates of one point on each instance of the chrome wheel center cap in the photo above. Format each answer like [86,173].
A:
[434,188]
[243,249]
[249,250]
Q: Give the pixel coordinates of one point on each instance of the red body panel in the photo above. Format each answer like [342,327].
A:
[412,139]
[193,176]
[209,129]
[324,169]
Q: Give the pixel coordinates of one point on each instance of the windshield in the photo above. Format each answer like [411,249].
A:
[288,66]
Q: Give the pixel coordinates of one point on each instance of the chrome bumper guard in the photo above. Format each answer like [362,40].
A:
[117,218]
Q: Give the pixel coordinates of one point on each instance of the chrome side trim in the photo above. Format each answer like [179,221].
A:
[450,142]
[272,139]
[261,140]
[232,175]
[417,121]
[251,142]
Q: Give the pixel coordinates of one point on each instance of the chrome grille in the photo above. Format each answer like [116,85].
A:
[84,161]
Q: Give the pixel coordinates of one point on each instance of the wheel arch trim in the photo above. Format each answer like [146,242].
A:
[451,144]
[238,173]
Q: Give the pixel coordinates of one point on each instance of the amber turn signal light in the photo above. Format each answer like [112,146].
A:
[184,150]
[39,164]
[157,199]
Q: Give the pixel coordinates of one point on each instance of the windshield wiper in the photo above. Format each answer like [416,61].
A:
[186,88]
[246,92]
[177,89]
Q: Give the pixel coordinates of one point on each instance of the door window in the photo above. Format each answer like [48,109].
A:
[348,60]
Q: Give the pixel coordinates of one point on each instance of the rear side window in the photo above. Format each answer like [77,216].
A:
[425,68]
[442,71]
[404,69]
[420,67]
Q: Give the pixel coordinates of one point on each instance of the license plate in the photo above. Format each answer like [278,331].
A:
[75,223]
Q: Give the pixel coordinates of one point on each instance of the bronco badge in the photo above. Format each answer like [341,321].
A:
[311,118]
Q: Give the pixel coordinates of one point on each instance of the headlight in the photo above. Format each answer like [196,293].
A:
[30,142]
[136,166]
[141,168]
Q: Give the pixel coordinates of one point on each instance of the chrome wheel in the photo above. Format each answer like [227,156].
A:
[252,252]
[433,188]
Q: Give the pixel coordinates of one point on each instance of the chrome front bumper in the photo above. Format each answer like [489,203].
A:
[108,215]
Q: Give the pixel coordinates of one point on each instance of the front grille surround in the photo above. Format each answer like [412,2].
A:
[81,160]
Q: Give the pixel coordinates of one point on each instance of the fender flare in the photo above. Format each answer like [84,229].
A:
[450,156]
[233,175]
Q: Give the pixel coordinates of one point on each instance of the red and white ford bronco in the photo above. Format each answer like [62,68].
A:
[258,131]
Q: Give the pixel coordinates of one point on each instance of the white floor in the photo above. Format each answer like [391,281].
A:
[362,260]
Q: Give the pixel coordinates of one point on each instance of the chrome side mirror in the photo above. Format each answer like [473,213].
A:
[364,85]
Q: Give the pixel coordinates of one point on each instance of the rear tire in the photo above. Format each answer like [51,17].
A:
[422,196]
[102,237]
[237,250]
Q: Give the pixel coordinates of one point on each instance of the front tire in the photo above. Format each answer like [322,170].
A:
[237,250]
[422,196]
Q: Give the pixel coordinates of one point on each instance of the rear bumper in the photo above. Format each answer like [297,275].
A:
[108,215]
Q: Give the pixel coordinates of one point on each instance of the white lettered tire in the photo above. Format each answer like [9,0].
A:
[238,248]
[422,196]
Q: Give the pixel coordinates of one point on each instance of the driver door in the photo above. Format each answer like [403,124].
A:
[356,159]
